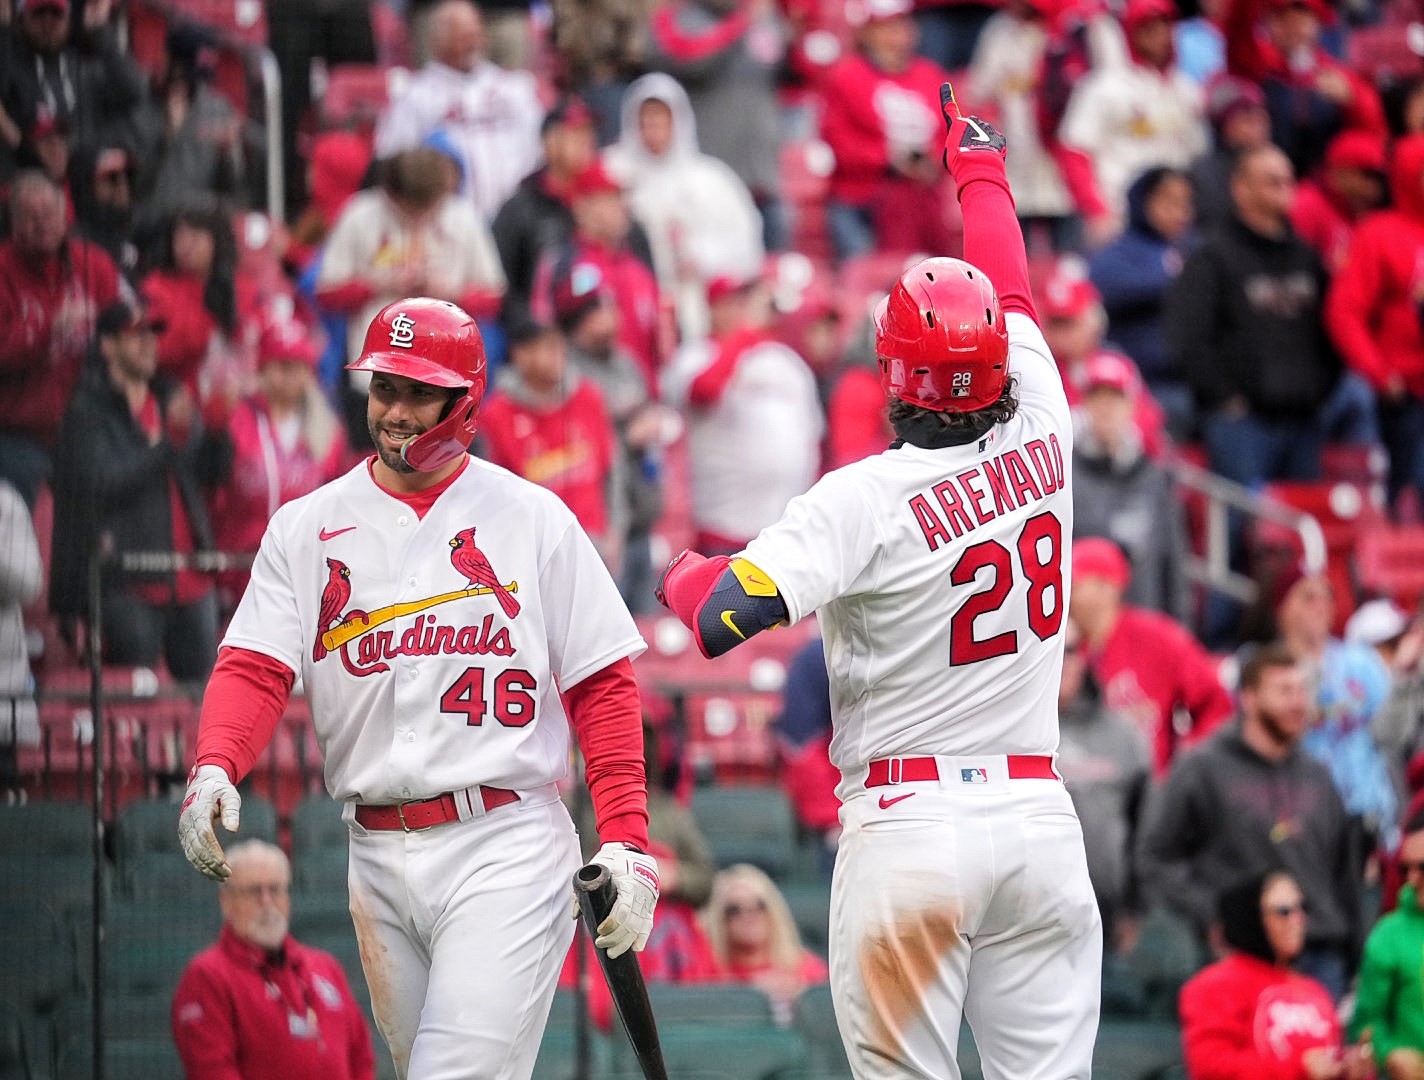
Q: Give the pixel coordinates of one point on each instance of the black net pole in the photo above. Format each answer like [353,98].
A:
[97,757]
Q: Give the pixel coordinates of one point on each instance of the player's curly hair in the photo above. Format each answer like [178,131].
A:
[930,429]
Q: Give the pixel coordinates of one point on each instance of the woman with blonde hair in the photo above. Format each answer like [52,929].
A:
[755,938]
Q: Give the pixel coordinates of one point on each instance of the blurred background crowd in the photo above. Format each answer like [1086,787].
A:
[672,219]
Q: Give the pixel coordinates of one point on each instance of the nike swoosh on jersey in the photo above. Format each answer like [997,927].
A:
[885,803]
[730,625]
[334,533]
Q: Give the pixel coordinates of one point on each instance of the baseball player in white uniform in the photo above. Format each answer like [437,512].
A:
[938,573]
[451,624]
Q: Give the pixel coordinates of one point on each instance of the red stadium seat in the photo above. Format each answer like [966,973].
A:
[1387,53]
[357,94]
[1389,561]
[730,736]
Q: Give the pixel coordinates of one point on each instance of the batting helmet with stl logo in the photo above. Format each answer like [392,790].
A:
[941,339]
[438,343]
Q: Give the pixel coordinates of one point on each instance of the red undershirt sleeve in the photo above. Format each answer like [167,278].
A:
[246,695]
[993,239]
[606,716]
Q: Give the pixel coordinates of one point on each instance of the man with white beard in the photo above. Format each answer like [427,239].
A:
[258,1005]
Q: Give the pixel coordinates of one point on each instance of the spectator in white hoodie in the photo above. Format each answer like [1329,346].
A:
[700,218]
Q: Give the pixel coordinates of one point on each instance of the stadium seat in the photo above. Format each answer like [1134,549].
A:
[320,840]
[39,966]
[814,1016]
[750,823]
[810,904]
[1389,561]
[730,736]
[1167,954]
[357,94]
[558,1052]
[46,828]
[1136,1049]
[1385,53]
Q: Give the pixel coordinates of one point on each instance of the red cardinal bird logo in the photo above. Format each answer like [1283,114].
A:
[333,601]
[471,562]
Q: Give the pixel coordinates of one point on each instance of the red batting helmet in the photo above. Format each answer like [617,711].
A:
[434,342]
[941,338]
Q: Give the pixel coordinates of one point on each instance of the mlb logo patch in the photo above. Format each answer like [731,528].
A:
[973,776]
[959,391]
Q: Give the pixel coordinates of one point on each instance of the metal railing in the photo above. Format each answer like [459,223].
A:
[1212,568]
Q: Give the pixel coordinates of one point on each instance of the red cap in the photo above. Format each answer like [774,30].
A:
[594,180]
[1094,556]
[286,340]
[1138,12]
[1320,8]
[1068,293]
[1108,369]
[725,285]
[1356,149]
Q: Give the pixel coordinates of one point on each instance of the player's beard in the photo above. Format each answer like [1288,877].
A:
[391,459]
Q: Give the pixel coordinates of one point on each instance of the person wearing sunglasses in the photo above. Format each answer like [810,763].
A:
[755,938]
[1251,1014]
[1389,1001]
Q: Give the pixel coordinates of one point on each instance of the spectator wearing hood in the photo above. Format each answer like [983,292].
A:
[52,288]
[728,55]
[1239,122]
[1375,314]
[699,217]
[1133,275]
[1331,204]
[102,180]
[1130,118]
[1251,1014]
[1389,997]
[1310,94]
[881,119]
[1121,493]
[81,78]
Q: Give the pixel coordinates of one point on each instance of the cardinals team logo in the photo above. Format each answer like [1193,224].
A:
[338,625]
[402,331]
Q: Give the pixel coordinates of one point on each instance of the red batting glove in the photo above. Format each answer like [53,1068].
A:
[685,585]
[973,149]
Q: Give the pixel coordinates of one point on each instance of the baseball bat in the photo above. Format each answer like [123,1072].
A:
[593,885]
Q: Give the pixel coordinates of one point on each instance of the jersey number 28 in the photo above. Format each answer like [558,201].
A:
[1040,550]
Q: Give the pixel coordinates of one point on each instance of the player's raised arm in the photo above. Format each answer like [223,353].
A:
[974,155]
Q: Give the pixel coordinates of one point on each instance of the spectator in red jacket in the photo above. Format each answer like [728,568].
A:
[881,120]
[195,293]
[1250,1014]
[548,424]
[1329,205]
[286,442]
[1374,312]
[598,256]
[259,1005]
[52,288]
[1149,666]
[1310,94]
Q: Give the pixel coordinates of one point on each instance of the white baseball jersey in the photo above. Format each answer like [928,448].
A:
[940,581]
[423,677]
[492,116]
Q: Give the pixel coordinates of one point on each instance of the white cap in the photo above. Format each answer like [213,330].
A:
[1376,622]
[860,12]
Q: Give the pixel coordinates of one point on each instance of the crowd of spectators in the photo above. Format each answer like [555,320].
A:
[1226,219]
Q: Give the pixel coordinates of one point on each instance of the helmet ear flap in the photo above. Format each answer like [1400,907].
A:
[448,439]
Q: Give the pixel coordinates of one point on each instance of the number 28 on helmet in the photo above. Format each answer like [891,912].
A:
[438,343]
[940,338]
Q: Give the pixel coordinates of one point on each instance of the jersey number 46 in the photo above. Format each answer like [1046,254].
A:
[1040,555]
[513,697]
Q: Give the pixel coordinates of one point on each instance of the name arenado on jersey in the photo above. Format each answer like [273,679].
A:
[425,639]
[1011,479]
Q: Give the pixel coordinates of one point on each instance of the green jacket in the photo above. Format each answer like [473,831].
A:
[1390,997]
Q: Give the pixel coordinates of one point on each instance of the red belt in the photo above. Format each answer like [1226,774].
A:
[414,816]
[887,771]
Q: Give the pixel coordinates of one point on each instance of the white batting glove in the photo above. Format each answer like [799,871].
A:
[210,795]
[635,876]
